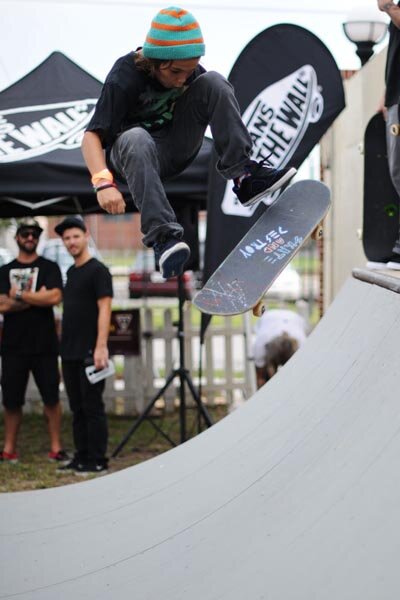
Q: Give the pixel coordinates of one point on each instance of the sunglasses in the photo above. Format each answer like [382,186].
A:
[27,233]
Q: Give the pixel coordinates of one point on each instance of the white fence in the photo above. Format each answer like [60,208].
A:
[227,374]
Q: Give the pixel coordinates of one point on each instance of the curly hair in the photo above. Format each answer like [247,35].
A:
[148,65]
[278,351]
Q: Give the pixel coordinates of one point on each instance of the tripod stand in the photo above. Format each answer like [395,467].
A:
[184,378]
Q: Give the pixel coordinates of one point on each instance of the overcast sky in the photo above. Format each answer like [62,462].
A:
[94,33]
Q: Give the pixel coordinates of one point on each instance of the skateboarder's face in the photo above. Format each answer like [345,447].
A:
[174,73]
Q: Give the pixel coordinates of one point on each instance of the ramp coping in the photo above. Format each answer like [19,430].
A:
[389,282]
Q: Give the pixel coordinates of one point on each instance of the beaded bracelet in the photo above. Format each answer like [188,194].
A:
[103,187]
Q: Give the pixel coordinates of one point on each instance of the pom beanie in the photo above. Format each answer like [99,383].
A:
[174,35]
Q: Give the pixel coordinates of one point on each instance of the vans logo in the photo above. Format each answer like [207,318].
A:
[35,130]
[277,120]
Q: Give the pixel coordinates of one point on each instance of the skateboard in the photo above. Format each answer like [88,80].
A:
[242,279]
[381,201]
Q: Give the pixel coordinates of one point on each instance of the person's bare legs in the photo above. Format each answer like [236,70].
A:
[53,417]
[12,424]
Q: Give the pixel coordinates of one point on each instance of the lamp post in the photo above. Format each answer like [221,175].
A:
[365,27]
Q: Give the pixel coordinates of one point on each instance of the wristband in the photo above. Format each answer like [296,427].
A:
[104,174]
[105,186]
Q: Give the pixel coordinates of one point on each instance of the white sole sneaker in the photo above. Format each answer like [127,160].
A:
[394,266]
[173,260]
[376,266]
[276,186]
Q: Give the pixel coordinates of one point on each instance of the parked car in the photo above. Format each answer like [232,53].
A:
[54,249]
[144,280]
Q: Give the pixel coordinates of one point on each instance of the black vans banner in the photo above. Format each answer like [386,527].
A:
[290,90]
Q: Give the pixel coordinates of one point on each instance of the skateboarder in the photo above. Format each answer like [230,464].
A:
[391,104]
[150,119]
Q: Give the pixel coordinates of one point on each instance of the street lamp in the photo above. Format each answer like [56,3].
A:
[365,27]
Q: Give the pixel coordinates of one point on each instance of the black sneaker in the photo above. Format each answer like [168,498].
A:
[171,256]
[61,457]
[394,263]
[71,466]
[90,468]
[261,180]
[396,248]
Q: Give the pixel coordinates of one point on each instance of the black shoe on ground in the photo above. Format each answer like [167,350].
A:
[261,180]
[61,457]
[171,256]
[373,265]
[90,468]
[396,248]
[394,263]
[70,466]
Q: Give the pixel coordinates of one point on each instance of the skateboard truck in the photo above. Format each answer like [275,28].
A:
[318,232]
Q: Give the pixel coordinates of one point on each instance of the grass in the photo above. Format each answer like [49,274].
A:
[34,471]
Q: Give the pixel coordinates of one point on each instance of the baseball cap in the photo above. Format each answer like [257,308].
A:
[28,223]
[69,223]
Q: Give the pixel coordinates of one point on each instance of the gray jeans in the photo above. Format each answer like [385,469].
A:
[393,153]
[393,146]
[145,159]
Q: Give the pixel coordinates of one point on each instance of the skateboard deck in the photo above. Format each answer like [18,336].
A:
[242,279]
[381,201]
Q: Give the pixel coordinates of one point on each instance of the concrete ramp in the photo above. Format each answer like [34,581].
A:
[295,496]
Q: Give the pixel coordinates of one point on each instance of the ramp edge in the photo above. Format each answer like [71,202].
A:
[388,282]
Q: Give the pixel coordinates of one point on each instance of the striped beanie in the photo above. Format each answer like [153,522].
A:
[174,35]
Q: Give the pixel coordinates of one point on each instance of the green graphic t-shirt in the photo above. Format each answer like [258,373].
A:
[131,97]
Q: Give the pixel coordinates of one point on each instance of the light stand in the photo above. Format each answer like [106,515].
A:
[365,28]
[184,378]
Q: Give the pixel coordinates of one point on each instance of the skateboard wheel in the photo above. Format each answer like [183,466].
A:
[395,129]
[259,309]
[317,233]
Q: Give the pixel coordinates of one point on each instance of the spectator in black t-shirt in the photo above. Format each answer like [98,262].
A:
[30,286]
[151,118]
[85,327]
[391,105]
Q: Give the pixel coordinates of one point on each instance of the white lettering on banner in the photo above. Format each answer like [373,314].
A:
[35,130]
[277,120]
[8,147]
[32,135]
